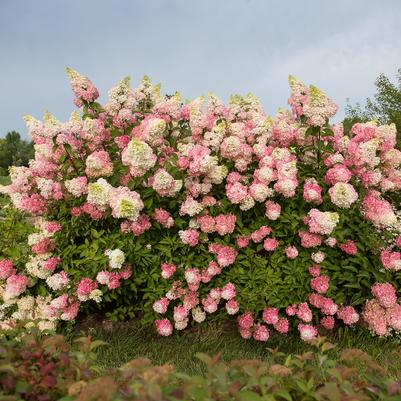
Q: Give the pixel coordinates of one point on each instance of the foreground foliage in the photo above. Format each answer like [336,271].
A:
[45,369]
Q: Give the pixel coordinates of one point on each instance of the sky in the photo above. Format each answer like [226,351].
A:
[194,46]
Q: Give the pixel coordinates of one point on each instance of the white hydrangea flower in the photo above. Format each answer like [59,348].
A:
[96,295]
[99,193]
[116,258]
[139,156]
[247,203]
[125,203]
[343,195]
[198,314]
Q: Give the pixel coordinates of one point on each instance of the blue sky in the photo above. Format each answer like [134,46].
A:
[194,46]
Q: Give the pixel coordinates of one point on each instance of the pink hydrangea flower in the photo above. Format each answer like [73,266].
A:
[51,263]
[236,193]
[260,333]
[84,288]
[58,281]
[43,246]
[349,247]
[320,284]
[312,192]
[210,305]
[164,183]
[314,270]
[70,312]
[192,276]
[168,269]
[270,244]
[331,242]
[225,254]
[163,217]
[6,269]
[343,195]
[33,204]
[259,234]
[304,312]
[15,286]
[207,223]
[338,173]
[385,294]
[215,294]
[316,300]
[282,325]
[51,227]
[328,306]
[393,317]
[208,201]
[307,331]
[318,257]
[243,241]
[228,291]
[232,307]
[213,269]
[77,186]
[126,272]
[348,315]
[225,223]
[291,252]
[245,321]
[83,88]
[180,313]
[60,302]
[270,315]
[164,327]
[161,305]
[246,334]
[375,316]
[327,322]
[98,164]
[378,211]
[390,260]
[189,237]
[309,240]
[321,222]
[273,210]
[291,310]
[114,281]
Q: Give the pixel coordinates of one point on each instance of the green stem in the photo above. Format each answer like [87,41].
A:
[72,160]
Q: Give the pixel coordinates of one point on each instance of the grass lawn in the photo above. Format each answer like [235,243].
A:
[128,340]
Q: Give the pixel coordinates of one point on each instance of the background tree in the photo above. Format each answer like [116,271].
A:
[14,151]
[385,107]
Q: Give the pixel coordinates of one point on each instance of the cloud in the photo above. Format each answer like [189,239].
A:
[195,47]
[344,64]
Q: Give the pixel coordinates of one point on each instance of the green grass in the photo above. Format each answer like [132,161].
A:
[129,340]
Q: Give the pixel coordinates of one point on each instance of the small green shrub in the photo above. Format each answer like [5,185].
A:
[38,368]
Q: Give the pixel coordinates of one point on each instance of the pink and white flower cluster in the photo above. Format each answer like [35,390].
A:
[194,173]
[382,313]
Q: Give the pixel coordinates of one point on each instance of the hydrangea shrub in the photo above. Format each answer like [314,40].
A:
[176,210]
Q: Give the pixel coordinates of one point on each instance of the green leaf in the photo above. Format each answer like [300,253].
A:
[249,395]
